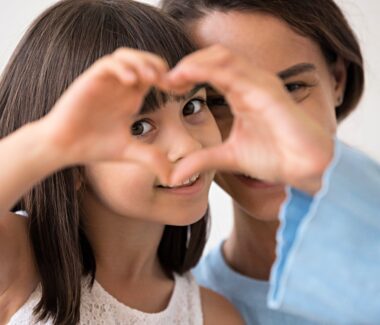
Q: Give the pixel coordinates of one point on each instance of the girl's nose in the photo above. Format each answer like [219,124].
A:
[181,145]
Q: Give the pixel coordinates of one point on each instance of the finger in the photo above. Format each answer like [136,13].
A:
[151,158]
[108,67]
[246,90]
[148,67]
[159,63]
[215,158]
[174,88]
[225,81]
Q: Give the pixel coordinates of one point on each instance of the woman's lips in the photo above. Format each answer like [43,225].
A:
[254,182]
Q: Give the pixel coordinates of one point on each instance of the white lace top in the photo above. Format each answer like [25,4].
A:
[98,307]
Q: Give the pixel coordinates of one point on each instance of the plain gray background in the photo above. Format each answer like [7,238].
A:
[361,129]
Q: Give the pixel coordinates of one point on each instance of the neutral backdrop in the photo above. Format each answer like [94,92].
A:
[361,129]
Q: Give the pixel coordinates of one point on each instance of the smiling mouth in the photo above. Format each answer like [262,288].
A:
[255,182]
[187,183]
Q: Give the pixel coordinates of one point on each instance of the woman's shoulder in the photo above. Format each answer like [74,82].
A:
[217,309]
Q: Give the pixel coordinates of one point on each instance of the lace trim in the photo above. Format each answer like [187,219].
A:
[101,308]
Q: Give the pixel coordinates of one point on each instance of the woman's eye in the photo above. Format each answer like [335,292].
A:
[194,106]
[140,128]
[292,87]
[216,101]
[299,90]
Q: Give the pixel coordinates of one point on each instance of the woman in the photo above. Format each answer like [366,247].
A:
[322,260]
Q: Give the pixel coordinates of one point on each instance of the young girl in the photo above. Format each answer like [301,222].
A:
[84,173]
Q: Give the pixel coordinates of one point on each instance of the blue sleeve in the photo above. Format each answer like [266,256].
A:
[328,246]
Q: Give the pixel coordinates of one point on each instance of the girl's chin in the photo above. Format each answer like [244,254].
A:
[186,219]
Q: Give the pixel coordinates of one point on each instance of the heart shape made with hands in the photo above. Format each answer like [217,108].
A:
[271,137]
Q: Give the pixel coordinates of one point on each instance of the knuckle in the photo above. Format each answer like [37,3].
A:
[225,55]
[104,62]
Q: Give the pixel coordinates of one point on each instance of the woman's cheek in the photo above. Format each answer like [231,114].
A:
[321,110]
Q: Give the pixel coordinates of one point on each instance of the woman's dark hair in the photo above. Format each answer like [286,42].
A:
[64,41]
[320,20]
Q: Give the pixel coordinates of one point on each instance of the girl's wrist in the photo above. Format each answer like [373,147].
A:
[50,157]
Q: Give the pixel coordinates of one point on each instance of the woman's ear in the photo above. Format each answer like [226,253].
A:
[339,74]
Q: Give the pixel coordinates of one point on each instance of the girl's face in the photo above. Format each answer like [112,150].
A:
[270,44]
[126,189]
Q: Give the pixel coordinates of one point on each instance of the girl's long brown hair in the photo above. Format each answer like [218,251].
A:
[65,40]
[320,20]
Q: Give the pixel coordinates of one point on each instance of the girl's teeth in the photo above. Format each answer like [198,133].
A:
[189,181]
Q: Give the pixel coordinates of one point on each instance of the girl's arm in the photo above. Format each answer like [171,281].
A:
[26,157]
[89,123]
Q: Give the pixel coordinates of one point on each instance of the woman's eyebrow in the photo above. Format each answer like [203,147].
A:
[296,70]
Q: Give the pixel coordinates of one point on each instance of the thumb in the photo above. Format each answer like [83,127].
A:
[215,158]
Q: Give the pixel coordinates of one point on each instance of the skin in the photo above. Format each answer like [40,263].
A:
[91,124]
[291,141]
[243,72]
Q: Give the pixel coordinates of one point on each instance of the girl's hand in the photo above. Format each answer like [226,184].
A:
[91,121]
[271,138]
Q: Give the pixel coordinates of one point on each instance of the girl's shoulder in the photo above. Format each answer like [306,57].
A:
[218,310]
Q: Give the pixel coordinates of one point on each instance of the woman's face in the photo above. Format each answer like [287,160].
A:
[177,128]
[270,44]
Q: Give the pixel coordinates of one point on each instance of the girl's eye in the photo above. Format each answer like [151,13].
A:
[194,106]
[140,128]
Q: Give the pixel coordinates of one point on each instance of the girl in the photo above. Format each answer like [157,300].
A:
[328,246]
[84,173]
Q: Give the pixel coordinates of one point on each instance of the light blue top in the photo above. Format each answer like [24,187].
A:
[248,295]
[328,253]
[328,264]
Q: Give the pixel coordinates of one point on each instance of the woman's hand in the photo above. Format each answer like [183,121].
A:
[91,121]
[271,138]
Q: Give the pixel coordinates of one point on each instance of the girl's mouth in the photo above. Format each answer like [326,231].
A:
[188,182]
[192,185]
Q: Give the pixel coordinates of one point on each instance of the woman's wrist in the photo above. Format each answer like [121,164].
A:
[311,182]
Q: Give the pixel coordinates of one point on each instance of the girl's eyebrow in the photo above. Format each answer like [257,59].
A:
[192,92]
[156,99]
